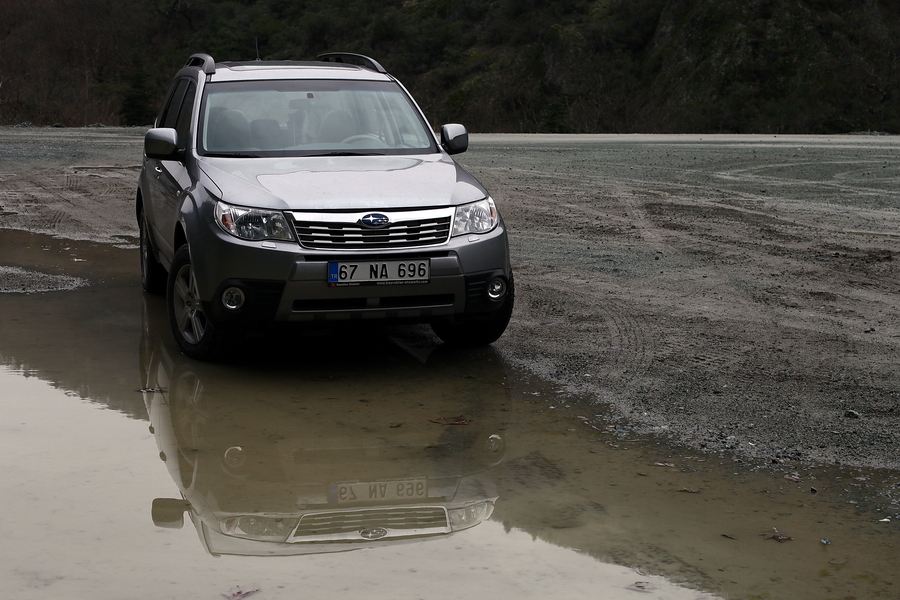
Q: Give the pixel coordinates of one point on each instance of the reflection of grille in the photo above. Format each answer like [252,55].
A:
[344,522]
[405,234]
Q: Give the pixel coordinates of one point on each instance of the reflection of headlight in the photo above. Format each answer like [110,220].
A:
[494,444]
[477,217]
[252,223]
[254,527]
[469,516]
[235,457]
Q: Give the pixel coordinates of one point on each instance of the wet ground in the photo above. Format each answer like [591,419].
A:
[126,465]
[107,431]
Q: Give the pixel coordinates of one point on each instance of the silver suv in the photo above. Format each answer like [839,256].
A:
[276,192]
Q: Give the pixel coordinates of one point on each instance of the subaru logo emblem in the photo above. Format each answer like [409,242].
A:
[376,533]
[375,220]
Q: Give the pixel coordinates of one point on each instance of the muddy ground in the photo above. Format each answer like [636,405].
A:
[736,294]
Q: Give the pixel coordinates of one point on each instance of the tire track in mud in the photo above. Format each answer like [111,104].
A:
[680,285]
[604,309]
[791,272]
[655,342]
[77,203]
[839,178]
[606,345]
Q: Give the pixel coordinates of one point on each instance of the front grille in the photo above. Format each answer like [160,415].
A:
[346,522]
[338,235]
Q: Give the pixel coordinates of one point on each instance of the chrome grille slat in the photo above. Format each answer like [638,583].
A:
[343,232]
[337,523]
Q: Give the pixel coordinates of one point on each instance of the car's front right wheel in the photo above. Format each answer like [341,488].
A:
[196,334]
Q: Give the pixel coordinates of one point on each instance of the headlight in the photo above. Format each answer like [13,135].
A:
[255,527]
[252,223]
[477,217]
[469,516]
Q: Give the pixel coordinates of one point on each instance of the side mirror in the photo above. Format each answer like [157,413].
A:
[454,138]
[169,512]
[162,144]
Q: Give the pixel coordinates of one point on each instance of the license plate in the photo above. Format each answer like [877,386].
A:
[378,491]
[379,272]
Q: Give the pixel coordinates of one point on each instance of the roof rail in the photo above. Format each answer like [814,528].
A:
[346,57]
[202,60]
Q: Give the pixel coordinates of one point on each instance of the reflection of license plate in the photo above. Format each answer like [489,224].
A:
[379,272]
[378,491]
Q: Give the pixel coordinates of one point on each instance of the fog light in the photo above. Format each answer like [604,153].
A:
[233,298]
[496,289]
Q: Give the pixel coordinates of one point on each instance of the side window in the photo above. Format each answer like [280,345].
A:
[183,123]
[169,114]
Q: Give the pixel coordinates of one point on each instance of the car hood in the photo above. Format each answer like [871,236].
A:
[343,182]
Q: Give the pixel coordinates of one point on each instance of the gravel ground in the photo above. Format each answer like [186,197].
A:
[736,293]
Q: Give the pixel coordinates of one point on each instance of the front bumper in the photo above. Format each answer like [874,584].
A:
[283,282]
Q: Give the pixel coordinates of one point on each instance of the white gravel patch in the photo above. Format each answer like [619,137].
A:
[16,280]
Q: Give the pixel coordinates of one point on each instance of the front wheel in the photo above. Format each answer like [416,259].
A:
[480,332]
[196,335]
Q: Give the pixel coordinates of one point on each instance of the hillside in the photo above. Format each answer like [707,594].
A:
[763,66]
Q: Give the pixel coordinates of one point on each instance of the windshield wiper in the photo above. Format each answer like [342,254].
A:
[348,154]
[231,155]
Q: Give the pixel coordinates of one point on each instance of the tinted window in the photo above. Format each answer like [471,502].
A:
[183,123]
[169,114]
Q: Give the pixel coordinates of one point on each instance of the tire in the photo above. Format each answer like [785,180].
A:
[196,334]
[153,275]
[471,334]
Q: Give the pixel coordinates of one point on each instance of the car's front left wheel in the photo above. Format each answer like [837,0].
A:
[196,334]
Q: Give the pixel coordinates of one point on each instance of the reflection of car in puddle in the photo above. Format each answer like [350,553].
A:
[348,449]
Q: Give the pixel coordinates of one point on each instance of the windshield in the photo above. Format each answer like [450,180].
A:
[309,118]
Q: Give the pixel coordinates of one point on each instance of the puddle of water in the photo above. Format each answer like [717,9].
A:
[80,480]
[700,519]
[535,501]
